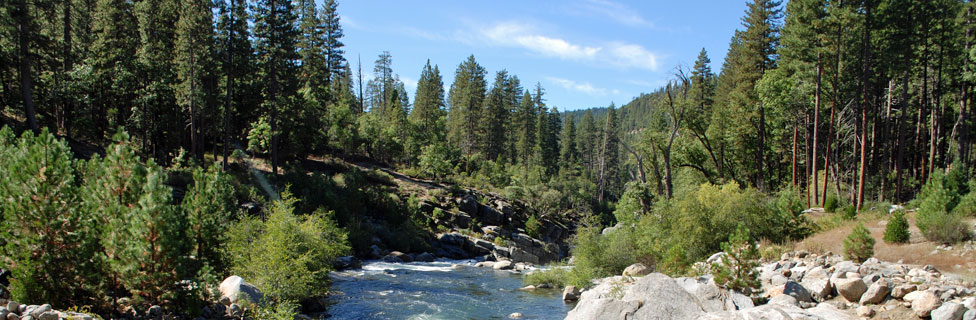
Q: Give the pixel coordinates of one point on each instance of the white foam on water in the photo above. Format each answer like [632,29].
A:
[438,266]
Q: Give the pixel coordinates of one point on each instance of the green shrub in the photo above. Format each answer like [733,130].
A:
[831,204]
[303,248]
[859,245]
[555,276]
[849,212]
[967,203]
[533,227]
[790,207]
[209,206]
[738,268]
[935,216]
[897,229]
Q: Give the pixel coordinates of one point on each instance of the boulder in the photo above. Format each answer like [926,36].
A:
[13,316]
[403,256]
[902,290]
[949,311]
[785,300]
[851,289]
[347,262]
[777,311]
[925,303]
[13,307]
[604,308]
[469,205]
[969,303]
[235,288]
[661,298]
[36,312]
[490,215]
[392,259]
[818,283]
[425,257]
[485,264]
[797,291]
[969,315]
[571,293]
[865,311]
[636,270]
[502,265]
[876,293]
[3,313]
[515,315]
[710,297]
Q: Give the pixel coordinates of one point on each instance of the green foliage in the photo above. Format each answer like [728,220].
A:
[936,218]
[42,227]
[859,245]
[209,206]
[285,310]
[897,229]
[738,268]
[301,247]
[555,276]
[790,208]
[848,211]
[259,136]
[831,204]
[533,227]
[967,203]
[436,160]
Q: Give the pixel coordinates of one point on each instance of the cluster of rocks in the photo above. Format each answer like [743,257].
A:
[519,248]
[11,310]
[798,286]
[505,265]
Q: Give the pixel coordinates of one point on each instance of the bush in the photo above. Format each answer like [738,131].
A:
[301,247]
[859,245]
[897,229]
[849,212]
[555,276]
[790,208]
[831,204]
[738,268]
[533,227]
[935,218]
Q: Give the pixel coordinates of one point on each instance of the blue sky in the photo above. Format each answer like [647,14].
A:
[585,53]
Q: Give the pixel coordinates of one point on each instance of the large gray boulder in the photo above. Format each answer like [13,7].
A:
[797,291]
[949,311]
[876,293]
[780,312]
[851,289]
[637,270]
[925,303]
[817,282]
[235,288]
[654,296]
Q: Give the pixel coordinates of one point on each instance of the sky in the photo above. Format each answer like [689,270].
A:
[585,53]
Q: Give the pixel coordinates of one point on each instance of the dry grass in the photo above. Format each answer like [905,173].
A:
[918,251]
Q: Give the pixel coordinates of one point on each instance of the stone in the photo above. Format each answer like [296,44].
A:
[3,313]
[783,299]
[876,293]
[604,308]
[469,205]
[797,291]
[403,256]
[925,303]
[425,257]
[871,278]
[347,262]
[36,312]
[375,252]
[235,288]
[969,315]
[636,270]
[155,312]
[515,315]
[49,315]
[969,303]
[390,258]
[13,316]
[660,296]
[911,296]
[235,311]
[902,290]
[502,265]
[485,264]
[527,288]
[851,289]
[13,307]
[224,301]
[949,311]
[865,311]
[818,283]
[571,293]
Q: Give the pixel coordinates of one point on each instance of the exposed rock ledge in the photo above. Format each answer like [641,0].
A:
[799,286]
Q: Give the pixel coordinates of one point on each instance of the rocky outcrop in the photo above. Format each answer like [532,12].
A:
[521,248]
[235,288]
[11,310]
[798,286]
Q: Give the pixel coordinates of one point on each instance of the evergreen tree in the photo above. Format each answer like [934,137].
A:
[609,156]
[428,105]
[587,141]
[153,114]
[275,36]
[209,207]
[335,63]
[466,99]
[113,69]
[236,54]
[525,117]
[193,61]
[496,115]
[568,153]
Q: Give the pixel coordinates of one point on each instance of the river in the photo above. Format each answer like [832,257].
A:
[447,289]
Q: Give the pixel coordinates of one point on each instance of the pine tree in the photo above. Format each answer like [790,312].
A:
[209,207]
[738,270]
[609,155]
[193,61]
[496,115]
[525,117]
[859,245]
[113,69]
[275,36]
[466,99]
[236,54]
[428,104]
[568,153]
[587,141]
[334,61]
[153,115]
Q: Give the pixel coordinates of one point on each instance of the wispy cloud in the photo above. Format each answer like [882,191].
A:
[620,54]
[618,12]
[409,83]
[584,87]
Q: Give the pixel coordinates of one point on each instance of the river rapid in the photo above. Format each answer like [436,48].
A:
[445,289]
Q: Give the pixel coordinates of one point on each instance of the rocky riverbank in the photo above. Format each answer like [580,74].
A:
[798,286]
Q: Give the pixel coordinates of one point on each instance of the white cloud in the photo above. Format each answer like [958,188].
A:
[584,87]
[409,83]
[620,13]
[620,54]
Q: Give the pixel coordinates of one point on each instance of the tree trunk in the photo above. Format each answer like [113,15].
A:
[816,125]
[866,89]
[26,87]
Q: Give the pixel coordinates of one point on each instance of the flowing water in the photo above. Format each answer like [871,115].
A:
[438,290]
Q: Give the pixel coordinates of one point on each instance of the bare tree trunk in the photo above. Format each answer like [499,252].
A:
[866,86]
[230,81]
[816,125]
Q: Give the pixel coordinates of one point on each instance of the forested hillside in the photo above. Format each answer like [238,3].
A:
[838,104]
